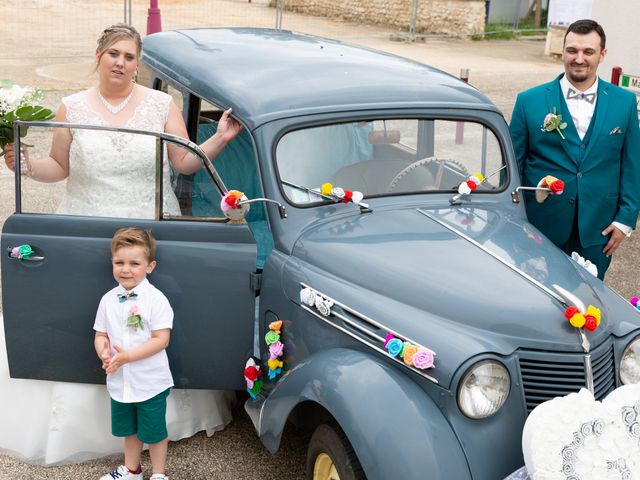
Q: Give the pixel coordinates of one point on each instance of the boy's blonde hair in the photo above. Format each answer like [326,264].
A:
[132,236]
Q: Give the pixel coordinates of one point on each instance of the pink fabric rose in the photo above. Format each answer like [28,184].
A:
[276,349]
[423,359]
[134,311]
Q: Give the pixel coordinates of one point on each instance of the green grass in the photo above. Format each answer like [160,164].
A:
[493,31]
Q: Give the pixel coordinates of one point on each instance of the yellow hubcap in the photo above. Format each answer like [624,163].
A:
[324,469]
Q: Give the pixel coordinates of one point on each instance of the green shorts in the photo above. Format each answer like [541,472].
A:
[145,419]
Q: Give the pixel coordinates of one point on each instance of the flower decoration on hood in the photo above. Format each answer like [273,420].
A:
[635,302]
[23,251]
[411,354]
[586,264]
[276,349]
[252,375]
[231,207]
[590,320]
[341,194]
[470,184]
[311,299]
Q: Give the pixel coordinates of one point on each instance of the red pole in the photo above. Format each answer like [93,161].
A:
[154,22]
[464,76]
[616,72]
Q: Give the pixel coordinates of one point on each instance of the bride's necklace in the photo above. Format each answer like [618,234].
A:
[115,109]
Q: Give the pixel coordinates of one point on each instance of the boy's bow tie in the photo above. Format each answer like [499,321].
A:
[589,97]
[123,297]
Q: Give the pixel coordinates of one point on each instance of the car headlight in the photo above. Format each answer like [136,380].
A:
[630,363]
[484,389]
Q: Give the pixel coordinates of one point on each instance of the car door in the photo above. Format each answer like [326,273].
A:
[50,299]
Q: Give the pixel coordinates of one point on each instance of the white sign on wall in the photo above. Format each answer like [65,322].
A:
[563,13]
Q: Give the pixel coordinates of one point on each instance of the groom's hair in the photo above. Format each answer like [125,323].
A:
[584,27]
[134,236]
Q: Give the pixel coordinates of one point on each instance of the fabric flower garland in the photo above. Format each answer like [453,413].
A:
[276,349]
[230,205]
[344,195]
[411,354]
[470,184]
[311,299]
[252,375]
[635,302]
[134,320]
[590,319]
[23,251]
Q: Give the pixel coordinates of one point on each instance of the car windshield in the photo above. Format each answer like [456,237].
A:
[387,157]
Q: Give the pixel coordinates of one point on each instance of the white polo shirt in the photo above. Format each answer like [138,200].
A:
[143,379]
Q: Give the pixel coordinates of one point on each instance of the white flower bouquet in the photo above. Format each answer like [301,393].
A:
[19,103]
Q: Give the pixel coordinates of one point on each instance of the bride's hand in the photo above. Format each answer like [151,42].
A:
[10,156]
[228,127]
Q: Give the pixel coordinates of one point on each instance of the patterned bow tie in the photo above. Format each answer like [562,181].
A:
[123,297]
[589,97]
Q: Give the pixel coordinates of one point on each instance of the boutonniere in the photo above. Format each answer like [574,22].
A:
[554,122]
[135,320]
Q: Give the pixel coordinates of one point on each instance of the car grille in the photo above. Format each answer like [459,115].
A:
[547,375]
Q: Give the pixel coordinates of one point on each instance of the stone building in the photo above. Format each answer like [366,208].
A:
[455,17]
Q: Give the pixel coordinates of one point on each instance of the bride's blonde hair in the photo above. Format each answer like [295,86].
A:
[117,32]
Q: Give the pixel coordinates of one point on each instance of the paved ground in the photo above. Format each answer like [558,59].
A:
[498,68]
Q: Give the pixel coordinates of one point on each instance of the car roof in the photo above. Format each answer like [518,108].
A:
[267,74]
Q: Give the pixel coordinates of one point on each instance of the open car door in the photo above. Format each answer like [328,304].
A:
[51,297]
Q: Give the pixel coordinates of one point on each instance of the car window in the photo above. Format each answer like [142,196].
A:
[385,157]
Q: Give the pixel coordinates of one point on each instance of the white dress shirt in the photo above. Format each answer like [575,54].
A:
[581,113]
[140,380]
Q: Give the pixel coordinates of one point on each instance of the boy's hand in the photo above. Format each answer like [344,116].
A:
[115,362]
[105,356]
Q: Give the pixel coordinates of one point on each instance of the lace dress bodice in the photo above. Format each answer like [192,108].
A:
[112,174]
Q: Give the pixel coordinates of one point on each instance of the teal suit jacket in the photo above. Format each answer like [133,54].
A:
[601,173]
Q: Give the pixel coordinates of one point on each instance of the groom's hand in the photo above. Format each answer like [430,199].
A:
[617,236]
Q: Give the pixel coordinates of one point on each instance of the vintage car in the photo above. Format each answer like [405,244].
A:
[370,220]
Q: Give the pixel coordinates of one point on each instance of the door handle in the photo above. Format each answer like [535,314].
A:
[23,253]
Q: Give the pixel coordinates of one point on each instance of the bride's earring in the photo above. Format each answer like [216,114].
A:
[135,77]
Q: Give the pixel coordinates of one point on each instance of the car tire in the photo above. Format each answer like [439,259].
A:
[330,456]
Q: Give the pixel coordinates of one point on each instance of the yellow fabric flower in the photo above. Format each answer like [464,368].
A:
[578,320]
[591,310]
[326,188]
[479,177]
[409,352]
[274,363]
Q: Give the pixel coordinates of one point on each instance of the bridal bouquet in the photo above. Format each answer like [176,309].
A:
[19,103]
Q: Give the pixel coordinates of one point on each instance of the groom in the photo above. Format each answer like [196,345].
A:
[596,154]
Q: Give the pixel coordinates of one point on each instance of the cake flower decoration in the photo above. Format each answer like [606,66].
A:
[23,251]
[411,354]
[231,207]
[589,320]
[341,194]
[470,184]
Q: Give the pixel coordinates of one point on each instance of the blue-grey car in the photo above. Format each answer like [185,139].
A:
[421,323]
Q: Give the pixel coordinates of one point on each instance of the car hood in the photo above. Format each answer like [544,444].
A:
[411,274]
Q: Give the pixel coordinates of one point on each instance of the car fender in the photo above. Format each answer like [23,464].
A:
[394,427]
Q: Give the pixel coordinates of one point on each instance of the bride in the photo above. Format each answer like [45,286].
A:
[53,422]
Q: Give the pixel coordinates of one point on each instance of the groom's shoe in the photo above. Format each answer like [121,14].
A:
[123,473]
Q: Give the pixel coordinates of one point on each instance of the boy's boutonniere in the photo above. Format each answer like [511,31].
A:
[554,122]
[135,320]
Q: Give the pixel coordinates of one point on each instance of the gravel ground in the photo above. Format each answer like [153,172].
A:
[498,68]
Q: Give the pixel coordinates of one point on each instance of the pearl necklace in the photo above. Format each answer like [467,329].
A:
[115,109]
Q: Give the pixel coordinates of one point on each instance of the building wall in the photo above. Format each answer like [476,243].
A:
[619,18]
[458,17]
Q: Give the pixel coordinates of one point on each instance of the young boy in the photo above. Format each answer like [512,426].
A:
[133,325]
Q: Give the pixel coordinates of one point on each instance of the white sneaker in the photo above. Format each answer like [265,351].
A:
[123,473]
[159,476]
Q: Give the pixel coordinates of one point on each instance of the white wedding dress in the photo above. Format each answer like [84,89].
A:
[46,422]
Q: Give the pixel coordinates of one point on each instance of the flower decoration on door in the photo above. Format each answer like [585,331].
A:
[276,349]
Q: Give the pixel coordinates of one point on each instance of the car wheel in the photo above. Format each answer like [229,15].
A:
[331,457]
